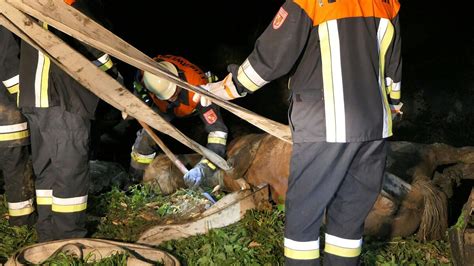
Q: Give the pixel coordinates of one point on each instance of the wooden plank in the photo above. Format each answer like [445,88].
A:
[97,81]
[79,26]
[228,210]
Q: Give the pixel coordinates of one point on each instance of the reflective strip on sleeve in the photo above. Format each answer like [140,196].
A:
[249,78]
[342,247]
[140,158]
[14,132]
[385,34]
[68,205]
[20,208]
[12,84]
[217,137]
[41,81]
[208,163]
[104,62]
[301,250]
[393,89]
[44,197]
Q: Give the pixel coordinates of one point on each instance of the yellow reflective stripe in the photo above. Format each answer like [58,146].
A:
[140,158]
[332,82]
[41,81]
[44,82]
[208,163]
[14,136]
[395,95]
[104,62]
[69,208]
[108,65]
[20,208]
[68,205]
[301,254]
[14,89]
[44,200]
[44,196]
[216,140]
[21,212]
[385,34]
[249,78]
[342,252]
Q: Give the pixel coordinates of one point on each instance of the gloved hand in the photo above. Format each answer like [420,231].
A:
[396,110]
[224,89]
[196,175]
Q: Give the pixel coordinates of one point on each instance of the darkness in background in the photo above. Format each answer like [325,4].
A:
[437,50]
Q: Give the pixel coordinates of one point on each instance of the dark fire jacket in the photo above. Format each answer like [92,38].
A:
[44,84]
[344,61]
[13,125]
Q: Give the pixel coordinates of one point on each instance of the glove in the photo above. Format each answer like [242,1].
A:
[224,89]
[396,110]
[194,177]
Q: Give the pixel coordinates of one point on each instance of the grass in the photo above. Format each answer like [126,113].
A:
[255,240]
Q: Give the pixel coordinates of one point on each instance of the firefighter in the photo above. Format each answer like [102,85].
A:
[172,102]
[14,136]
[59,112]
[344,61]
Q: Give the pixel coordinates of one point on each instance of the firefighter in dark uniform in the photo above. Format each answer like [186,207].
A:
[344,61]
[59,111]
[14,136]
[172,102]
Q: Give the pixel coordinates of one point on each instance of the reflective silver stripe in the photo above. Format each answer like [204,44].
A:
[332,79]
[44,192]
[44,196]
[13,128]
[301,245]
[217,137]
[70,201]
[248,77]
[296,250]
[384,37]
[69,205]
[41,81]
[20,205]
[102,60]
[218,134]
[342,242]
[12,81]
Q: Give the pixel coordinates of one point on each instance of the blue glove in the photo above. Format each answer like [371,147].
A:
[194,177]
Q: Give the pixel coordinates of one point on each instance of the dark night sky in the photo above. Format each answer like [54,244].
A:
[437,50]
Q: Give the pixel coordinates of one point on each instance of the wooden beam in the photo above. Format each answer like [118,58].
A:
[97,81]
[228,210]
[79,26]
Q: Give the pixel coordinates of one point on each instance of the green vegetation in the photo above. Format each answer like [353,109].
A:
[255,240]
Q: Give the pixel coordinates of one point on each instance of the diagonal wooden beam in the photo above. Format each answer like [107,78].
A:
[79,26]
[97,81]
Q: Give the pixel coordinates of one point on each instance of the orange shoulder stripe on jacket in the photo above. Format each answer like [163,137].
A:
[348,8]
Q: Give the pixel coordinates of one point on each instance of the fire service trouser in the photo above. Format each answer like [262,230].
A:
[60,150]
[15,161]
[337,182]
[19,188]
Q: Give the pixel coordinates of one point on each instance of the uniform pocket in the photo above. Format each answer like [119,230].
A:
[307,116]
